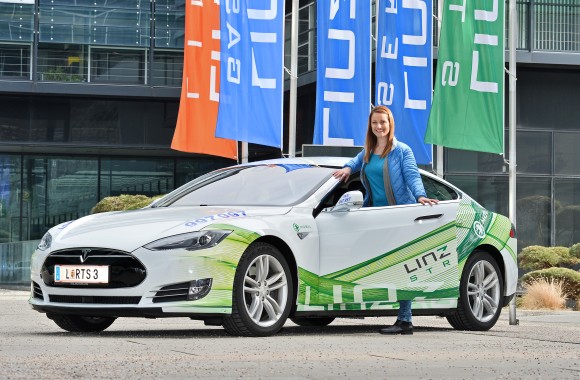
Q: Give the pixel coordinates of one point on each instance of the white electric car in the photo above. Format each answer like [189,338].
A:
[249,246]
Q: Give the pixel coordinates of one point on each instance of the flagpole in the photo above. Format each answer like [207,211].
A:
[439,169]
[293,80]
[244,152]
[513,28]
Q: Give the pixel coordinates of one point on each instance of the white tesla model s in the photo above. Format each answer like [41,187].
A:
[249,246]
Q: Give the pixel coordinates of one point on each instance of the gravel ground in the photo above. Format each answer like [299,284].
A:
[545,345]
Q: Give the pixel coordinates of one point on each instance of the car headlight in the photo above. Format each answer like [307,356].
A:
[190,241]
[45,242]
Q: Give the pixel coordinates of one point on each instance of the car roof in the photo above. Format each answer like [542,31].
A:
[326,161]
[337,162]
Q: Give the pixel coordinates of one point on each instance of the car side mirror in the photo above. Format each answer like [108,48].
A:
[350,200]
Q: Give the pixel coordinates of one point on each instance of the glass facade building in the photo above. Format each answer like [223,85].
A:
[89,95]
[97,41]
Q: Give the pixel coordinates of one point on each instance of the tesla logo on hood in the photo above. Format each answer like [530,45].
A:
[85,254]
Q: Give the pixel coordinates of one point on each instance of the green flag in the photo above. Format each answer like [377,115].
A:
[468,106]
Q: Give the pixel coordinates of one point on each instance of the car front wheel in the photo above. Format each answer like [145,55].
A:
[76,323]
[480,294]
[262,293]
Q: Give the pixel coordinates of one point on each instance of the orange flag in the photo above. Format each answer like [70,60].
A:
[198,107]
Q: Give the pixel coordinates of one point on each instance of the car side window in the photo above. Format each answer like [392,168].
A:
[437,190]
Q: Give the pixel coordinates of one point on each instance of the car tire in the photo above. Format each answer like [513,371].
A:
[76,323]
[263,292]
[312,321]
[480,294]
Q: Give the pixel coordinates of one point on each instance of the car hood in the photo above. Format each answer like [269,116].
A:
[129,230]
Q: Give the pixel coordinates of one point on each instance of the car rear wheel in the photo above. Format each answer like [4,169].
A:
[262,293]
[312,321]
[480,294]
[76,323]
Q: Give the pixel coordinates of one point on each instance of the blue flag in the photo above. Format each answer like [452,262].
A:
[404,70]
[251,72]
[343,78]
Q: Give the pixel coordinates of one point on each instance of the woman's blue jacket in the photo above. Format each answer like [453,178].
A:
[405,178]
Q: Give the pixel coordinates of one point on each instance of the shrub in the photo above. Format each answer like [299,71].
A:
[569,278]
[575,251]
[123,202]
[544,294]
[566,260]
[536,257]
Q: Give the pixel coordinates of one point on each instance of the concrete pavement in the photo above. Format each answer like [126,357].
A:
[546,345]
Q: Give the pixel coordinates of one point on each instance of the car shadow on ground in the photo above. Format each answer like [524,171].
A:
[217,332]
[346,330]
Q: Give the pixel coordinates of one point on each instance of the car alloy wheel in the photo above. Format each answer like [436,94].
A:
[480,294]
[483,290]
[265,290]
[262,294]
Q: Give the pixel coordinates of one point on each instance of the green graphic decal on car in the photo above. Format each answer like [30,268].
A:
[477,226]
[221,262]
[425,267]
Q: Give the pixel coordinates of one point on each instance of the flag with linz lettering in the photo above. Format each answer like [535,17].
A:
[198,108]
[251,79]
[343,78]
[468,103]
[404,69]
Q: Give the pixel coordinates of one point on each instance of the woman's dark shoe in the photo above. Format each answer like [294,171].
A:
[400,327]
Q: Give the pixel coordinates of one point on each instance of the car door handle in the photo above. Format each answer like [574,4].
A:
[427,217]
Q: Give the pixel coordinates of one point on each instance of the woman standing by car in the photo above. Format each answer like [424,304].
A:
[390,176]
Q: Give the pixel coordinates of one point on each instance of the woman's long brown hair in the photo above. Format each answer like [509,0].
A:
[371,140]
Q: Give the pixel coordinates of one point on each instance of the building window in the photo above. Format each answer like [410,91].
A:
[121,23]
[62,62]
[10,188]
[534,211]
[167,68]
[169,24]
[557,25]
[55,190]
[567,198]
[136,176]
[463,161]
[15,61]
[567,154]
[534,151]
[490,191]
[118,66]
[16,22]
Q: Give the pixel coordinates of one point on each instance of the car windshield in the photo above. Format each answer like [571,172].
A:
[261,185]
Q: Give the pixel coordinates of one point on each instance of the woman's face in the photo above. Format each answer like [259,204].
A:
[380,125]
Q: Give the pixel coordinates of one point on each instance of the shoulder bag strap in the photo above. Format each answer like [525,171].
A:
[387,181]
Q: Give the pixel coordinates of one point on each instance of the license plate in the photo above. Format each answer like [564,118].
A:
[81,274]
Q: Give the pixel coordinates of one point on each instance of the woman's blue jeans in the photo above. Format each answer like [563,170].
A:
[405,311]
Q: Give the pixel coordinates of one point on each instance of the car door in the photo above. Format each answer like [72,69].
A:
[372,257]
